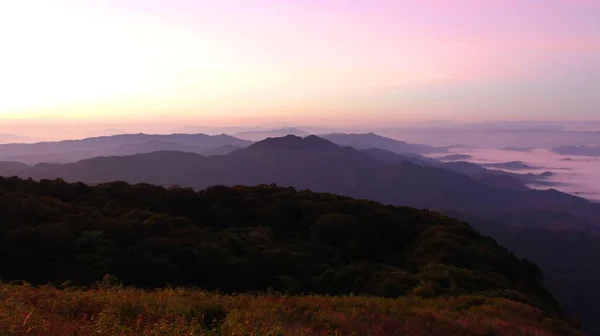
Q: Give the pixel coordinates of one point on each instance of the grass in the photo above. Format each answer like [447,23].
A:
[48,311]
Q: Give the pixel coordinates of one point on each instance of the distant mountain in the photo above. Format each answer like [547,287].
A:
[393,158]
[467,168]
[8,138]
[372,140]
[117,145]
[568,259]
[154,146]
[222,150]
[317,164]
[455,157]
[271,133]
[12,168]
[476,170]
[502,181]
[212,130]
[492,137]
[517,149]
[491,177]
[294,143]
[513,165]
[577,150]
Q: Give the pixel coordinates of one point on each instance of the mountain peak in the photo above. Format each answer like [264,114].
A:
[363,137]
[290,129]
[293,142]
[372,140]
[259,135]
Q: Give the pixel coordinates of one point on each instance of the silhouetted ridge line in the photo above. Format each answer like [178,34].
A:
[372,140]
[118,145]
[292,142]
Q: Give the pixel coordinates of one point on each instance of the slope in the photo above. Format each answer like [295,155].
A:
[259,135]
[317,164]
[125,144]
[372,140]
[250,239]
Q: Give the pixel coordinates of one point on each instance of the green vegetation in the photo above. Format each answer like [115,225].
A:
[47,311]
[569,260]
[253,239]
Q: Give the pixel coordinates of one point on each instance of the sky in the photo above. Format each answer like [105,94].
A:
[115,60]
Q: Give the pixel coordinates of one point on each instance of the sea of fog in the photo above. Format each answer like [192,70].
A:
[576,175]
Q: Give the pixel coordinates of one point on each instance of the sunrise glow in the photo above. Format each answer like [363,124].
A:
[109,59]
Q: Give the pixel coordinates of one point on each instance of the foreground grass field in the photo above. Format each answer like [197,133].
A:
[27,310]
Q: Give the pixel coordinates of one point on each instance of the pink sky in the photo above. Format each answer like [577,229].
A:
[411,59]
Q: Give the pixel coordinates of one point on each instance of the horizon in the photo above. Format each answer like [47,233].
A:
[443,152]
[227,62]
[44,130]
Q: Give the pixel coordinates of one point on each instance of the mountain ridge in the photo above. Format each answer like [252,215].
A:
[318,164]
[370,140]
[124,144]
[389,178]
[259,135]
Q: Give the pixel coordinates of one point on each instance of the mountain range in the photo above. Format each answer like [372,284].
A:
[499,203]
[455,157]
[577,150]
[512,165]
[493,177]
[258,135]
[117,145]
[128,144]
[372,140]
[318,164]
[4,138]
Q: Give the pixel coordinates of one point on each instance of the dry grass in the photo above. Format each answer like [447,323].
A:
[26,310]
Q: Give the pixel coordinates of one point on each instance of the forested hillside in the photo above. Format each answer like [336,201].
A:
[249,239]
[501,205]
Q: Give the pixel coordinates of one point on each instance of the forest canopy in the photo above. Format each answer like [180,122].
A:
[241,239]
